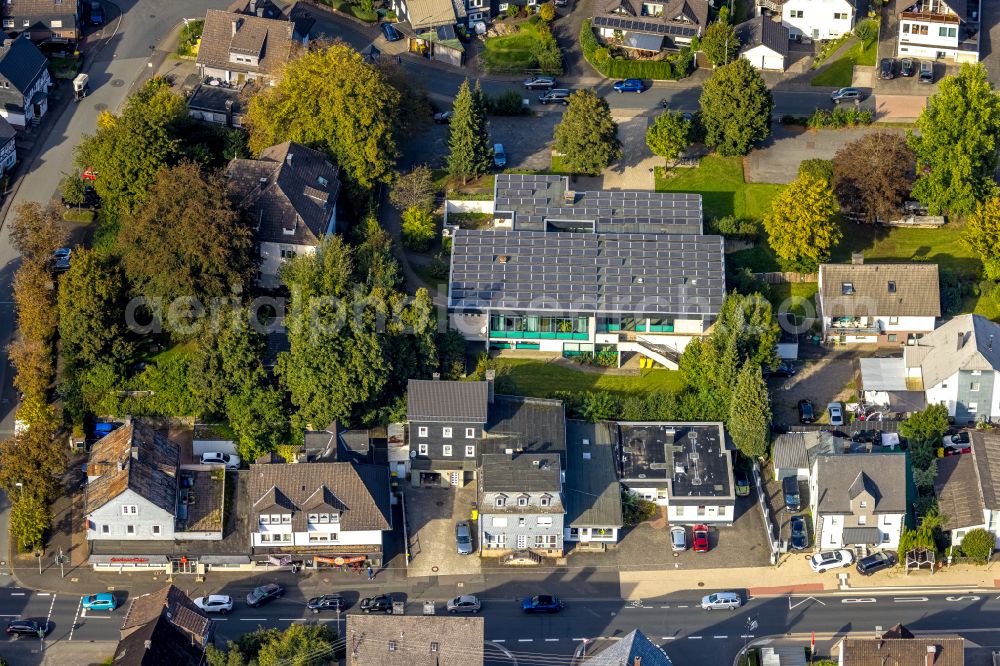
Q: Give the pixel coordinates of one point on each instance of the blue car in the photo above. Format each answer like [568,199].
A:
[391,34]
[630,85]
[542,603]
[104,601]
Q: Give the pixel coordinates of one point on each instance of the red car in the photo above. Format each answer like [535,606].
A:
[700,541]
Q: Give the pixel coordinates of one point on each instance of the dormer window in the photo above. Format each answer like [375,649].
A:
[322,181]
[847,288]
[434,647]
[544,500]
[501,501]
[522,500]
[286,519]
[863,504]
[313,518]
[265,519]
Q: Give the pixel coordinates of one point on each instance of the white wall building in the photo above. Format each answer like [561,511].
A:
[813,19]
[938,29]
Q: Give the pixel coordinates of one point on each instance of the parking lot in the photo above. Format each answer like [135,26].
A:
[431,514]
[821,382]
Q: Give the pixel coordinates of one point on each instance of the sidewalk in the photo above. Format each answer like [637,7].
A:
[26,653]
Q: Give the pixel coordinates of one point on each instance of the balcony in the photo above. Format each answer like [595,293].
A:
[928,17]
[532,335]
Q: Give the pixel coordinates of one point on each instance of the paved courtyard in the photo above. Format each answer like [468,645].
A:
[431,514]
[777,159]
[821,382]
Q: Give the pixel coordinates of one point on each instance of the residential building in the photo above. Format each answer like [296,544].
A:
[957,366]
[592,491]
[764,42]
[164,628]
[238,49]
[521,504]
[683,466]
[650,26]
[8,146]
[634,649]
[289,196]
[42,20]
[217,105]
[586,272]
[795,453]
[884,384]
[783,655]
[968,488]
[938,29]
[887,304]
[24,82]
[422,16]
[320,510]
[899,646]
[858,501]
[813,19]
[414,640]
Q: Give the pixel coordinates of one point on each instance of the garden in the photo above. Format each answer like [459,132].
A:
[363,9]
[863,52]
[615,62]
[520,45]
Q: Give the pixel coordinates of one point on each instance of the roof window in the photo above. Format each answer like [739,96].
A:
[892,287]
[847,288]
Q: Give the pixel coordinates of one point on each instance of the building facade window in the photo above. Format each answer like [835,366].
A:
[287,254]
[522,501]
[422,449]
[974,386]
[446,450]
[105,529]
[156,530]
[893,321]
[470,433]
[973,406]
[947,32]
[839,16]
[545,521]
[797,13]
[130,530]
[422,431]
[446,433]
[130,510]
[470,451]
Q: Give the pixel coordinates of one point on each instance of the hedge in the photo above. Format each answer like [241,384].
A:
[623,68]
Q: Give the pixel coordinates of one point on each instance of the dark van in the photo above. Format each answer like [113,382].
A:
[790,488]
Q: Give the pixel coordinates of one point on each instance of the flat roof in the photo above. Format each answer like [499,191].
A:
[529,425]
[691,458]
[593,494]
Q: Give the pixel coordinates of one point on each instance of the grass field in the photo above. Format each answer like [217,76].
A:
[795,297]
[540,379]
[508,52]
[840,72]
[720,182]
[942,246]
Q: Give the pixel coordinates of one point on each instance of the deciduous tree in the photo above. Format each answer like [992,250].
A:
[30,518]
[471,154]
[750,412]
[35,296]
[547,12]
[924,431]
[982,234]
[735,108]
[37,231]
[720,43]
[978,544]
[669,135]
[801,226]
[419,229]
[414,189]
[92,300]
[587,136]
[873,175]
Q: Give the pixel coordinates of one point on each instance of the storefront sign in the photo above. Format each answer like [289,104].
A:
[340,561]
[129,560]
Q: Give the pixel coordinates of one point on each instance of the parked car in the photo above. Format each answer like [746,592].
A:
[836,413]
[542,603]
[327,602]
[103,601]
[464,604]
[699,539]
[678,538]
[800,536]
[866,566]
[721,600]
[831,559]
[742,483]
[540,83]
[463,538]
[956,440]
[27,628]
[555,96]
[60,259]
[218,458]
[215,603]
[783,370]
[806,412]
[926,72]
[847,95]
[443,117]
[264,594]
[390,33]
[96,13]
[887,69]
[790,491]
[499,156]
[380,604]
[630,85]
[907,67]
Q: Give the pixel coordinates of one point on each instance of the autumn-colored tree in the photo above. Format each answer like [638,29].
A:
[37,231]
[982,234]
[35,296]
[873,175]
[33,361]
[801,227]
[419,229]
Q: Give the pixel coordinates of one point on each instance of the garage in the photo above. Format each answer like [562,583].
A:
[764,43]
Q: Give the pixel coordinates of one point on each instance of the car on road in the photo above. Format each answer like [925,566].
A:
[699,539]
[887,69]
[926,72]
[540,83]
[800,536]
[463,538]
[907,67]
[742,483]
[215,603]
[806,412]
[443,117]
[264,594]
[555,96]
[380,604]
[831,559]
[630,85]
[326,602]
[60,259]
[390,33]
[218,458]
[883,559]
[678,538]
[721,600]
[464,604]
[499,156]
[836,413]
[96,13]
[27,628]
[103,601]
[847,95]
[541,603]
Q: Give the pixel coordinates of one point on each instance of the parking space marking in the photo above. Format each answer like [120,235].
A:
[694,638]
[720,636]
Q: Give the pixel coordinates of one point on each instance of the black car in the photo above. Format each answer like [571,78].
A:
[783,370]
[390,32]
[327,602]
[800,536]
[806,412]
[26,628]
[866,566]
[264,594]
[379,604]
[96,13]
[907,67]
[887,69]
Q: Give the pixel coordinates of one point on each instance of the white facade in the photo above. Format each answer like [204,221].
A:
[281,535]
[817,19]
[933,37]
[130,516]
[20,116]
[588,534]
[991,523]
[832,530]
[707,513]
[946,392]
[272,258]
[893,329]
[763,57]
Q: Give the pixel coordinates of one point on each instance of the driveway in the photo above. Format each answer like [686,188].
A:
[431,514]
[822,381]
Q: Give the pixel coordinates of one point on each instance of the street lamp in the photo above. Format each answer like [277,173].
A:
[38,554]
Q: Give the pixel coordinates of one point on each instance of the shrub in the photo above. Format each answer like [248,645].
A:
[547,12]
[79,215]
[419,229]
[513,10]
[735,227]
[978,545]
[840,117]
[190,34]
[866,31]
[622,68]
[822,169]
[636,510]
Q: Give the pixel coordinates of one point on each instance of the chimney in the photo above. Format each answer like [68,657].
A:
[135,452]
[490,376]
[960,341]
[857,258]
[236,26]
[637,661]
[931,655]
[288,159]
[435,376]
[148,645]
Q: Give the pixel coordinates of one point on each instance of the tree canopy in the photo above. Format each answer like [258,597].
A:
[801,227]
[982,234]
[92,298]
[924,431]
[669,135]
[413,189]
[36,231]
[720,43]
[587,135]
[872,176]
[749,421]
[471,154]
[735,108]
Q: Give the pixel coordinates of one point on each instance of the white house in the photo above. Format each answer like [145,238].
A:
[764,42]
[885,304]
[938,29]
[858,501]
[964,485]
[521,504]
[24,82]
[813,19]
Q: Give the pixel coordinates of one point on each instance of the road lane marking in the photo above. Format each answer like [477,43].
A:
[792,606]
[694,638]
[682,606]
[720,636]
[746,635]
[499,640]
[220,619]
[525,640]
[862,600]
[551,640]
[254,619]
[43,594]
[75,618]
[664,606]
[17,594]
[667,638]
[967,598]
[578,639]
[909,600]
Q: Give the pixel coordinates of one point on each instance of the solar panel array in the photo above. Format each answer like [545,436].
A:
[636,25]
[669,274]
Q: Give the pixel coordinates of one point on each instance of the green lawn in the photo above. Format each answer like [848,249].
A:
[541,379]
[558,166]
[942,246]
[719,180]
[840,72]
[794,297]
[513,51]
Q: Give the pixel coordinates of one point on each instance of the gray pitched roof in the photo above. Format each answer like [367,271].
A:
[269,40]
[960,498]
[289,188]
[789,451]
[526,473]
[593,494]
[964,343]
[903,290]
[176,605]
[986,453]
[761,30]
[7,132]
[867,650]
[680,18]
[414,640]
[21,63]
[841,477]
[134,457]
[670,274]
[632,649]
[447,401]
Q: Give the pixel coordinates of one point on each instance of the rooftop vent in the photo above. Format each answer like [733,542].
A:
[569,196]
[857,258]
[502,258]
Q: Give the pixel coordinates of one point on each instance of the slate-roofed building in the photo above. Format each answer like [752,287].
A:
[24,82]
[320,510]
[592,491]
[169,602]
[764,42]
[8,146]
[158,643]
[521,504]
[217,105]
[289,196]
[237,48]
[414,640]
[650,25]
[899,647]
[888,304]
[968,487]
[42,20]
[634,649]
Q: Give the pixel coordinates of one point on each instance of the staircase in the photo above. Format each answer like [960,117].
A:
[665,355]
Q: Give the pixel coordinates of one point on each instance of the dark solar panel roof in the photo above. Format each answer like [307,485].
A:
[638,25]
[669,274]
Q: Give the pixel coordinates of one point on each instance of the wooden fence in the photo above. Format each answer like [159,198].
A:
[786,278]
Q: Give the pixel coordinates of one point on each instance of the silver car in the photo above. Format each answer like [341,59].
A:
[721,600]
[540,83]
[464,604]
[678,538]
[463,538]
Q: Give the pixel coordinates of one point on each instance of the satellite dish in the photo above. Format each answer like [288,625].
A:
[413,454]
